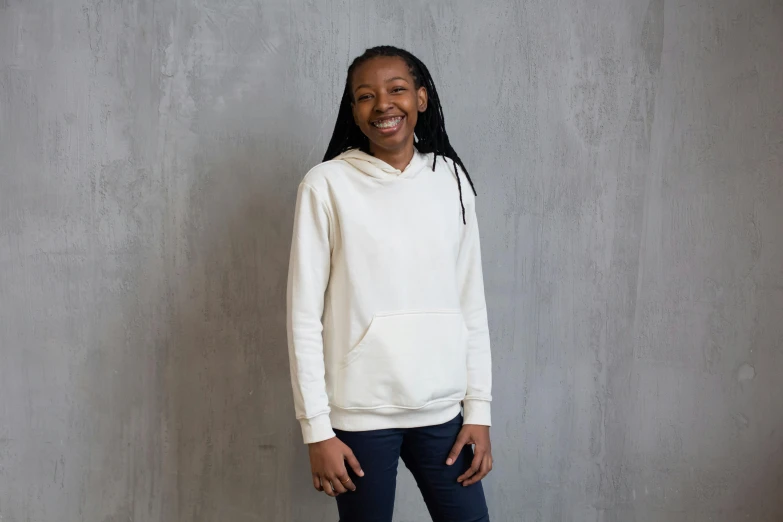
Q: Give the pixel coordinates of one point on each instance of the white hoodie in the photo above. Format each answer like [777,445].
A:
[387,322]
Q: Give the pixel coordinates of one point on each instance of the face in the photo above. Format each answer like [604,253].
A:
[386,104]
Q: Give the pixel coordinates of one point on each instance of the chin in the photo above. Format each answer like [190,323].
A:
[392,144]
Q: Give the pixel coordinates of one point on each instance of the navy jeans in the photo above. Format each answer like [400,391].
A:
[424,452]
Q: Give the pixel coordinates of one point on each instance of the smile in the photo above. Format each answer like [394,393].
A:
[388,123]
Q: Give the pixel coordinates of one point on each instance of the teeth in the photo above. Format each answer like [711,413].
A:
[388,124]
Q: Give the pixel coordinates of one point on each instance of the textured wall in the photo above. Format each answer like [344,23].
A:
[628,161]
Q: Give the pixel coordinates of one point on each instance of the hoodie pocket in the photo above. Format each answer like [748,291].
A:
[406,359]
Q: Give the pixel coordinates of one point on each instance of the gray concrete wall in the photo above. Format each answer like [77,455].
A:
[628,157]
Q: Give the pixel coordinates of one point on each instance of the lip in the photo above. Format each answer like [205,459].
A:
[390,130]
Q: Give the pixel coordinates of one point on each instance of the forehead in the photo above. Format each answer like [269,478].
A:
[381,69]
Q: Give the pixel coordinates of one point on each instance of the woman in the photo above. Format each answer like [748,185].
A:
[387,322]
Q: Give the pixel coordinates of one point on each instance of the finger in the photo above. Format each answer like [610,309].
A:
[455,450]
[328,487]
[486,466]
[317,483]
[354,463]
[337,486]
[474,468]
[346,482]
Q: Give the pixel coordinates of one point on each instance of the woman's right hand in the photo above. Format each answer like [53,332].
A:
[327,462]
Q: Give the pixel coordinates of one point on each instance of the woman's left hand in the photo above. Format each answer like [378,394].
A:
[482,458]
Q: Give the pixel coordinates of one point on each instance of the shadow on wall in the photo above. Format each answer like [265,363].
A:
[230,416]
[189,413]
[758,474]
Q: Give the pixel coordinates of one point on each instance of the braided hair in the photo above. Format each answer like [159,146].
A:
[430,131]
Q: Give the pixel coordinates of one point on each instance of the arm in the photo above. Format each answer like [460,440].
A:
[308,276]
[475,429]
[474,310]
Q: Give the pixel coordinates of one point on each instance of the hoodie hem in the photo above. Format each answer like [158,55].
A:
[388,417]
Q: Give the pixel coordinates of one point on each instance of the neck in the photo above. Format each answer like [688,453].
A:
[399,159]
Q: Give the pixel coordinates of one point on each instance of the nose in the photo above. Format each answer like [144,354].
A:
[382,102]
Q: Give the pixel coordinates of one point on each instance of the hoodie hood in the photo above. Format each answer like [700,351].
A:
[379,169]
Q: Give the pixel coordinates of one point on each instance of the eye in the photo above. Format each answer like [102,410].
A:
[397,89]
[364,97]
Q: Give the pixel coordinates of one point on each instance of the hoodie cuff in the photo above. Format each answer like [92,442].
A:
[477,412]
[316,429]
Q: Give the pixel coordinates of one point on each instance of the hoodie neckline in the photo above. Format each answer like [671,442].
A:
[379,169]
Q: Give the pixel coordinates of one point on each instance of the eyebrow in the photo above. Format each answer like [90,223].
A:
[387,81]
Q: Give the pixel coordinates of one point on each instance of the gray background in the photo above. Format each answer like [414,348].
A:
[628,160]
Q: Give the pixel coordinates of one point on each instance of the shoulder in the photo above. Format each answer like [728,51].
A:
[319,177]
[450,170]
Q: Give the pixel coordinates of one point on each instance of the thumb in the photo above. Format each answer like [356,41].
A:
[456,450]
[353,462]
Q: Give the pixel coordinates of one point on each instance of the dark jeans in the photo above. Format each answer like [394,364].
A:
[424,452]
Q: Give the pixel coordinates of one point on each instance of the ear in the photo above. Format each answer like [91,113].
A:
[421,96]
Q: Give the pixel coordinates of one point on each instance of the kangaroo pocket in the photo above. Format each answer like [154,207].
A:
[406,359]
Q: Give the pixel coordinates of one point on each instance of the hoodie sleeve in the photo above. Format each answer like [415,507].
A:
[474,310]
[308,275]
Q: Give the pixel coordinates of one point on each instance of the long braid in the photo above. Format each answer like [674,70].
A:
[430,132]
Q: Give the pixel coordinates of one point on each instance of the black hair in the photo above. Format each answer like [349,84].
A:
[430,133]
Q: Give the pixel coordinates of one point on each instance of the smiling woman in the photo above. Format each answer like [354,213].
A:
[396,366]
[386,107]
